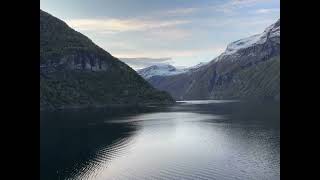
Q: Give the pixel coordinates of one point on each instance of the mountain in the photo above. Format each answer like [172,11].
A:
[249,68]
[159,70]
[165,70]
[76,72]
[142,62]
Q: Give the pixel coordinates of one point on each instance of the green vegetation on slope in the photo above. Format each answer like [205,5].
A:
[64,85]
[57,40]
[95,88]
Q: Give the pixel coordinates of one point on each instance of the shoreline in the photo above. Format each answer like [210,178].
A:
[96,106]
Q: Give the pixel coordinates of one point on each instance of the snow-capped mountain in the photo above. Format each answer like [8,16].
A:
[249,68]
[159,70]
[250,50]
[271,33]
[196,67]
[165,70]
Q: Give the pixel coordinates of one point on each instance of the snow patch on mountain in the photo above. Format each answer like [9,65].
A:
[270,32]
[196,66]
[159,70]
[166,70]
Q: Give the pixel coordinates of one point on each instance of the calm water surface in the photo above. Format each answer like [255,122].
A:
[191,140]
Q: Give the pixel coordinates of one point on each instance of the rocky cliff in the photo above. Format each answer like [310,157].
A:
[76,72]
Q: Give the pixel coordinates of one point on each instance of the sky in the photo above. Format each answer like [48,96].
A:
[179,32]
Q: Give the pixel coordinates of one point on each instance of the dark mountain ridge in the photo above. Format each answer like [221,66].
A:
[74,72]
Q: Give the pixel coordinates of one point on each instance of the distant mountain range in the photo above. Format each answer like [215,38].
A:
[76,72]
[249,68]
[164,70]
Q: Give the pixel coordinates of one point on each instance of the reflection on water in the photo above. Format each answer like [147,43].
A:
[196,140]
[205,102]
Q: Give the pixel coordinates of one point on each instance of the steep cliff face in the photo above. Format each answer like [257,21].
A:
[248,68]
[76,72]
[63,48]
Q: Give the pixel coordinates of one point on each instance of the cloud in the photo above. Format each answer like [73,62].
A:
[181,11]
[112,25]
[230,6]
[178,33]
[245,2]
[173,53]
[169,34]
[241,22]
[138,63]
[184,58]
[266,11]
[162,19]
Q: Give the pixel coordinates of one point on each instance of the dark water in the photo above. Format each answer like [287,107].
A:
[192,140]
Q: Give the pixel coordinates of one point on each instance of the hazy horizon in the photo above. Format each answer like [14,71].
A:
[181,33]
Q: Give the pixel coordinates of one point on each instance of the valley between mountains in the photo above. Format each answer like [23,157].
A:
[75,72]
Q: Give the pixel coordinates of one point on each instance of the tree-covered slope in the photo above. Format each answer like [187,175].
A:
[74,71]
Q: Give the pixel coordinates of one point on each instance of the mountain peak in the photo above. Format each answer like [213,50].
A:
[271,31]
[158,70]
[166,70]
[250,68]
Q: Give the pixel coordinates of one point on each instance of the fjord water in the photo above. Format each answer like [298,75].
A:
[190,140]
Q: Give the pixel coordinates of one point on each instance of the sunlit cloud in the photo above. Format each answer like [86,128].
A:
[187,32]
[215,50]
[109,25]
